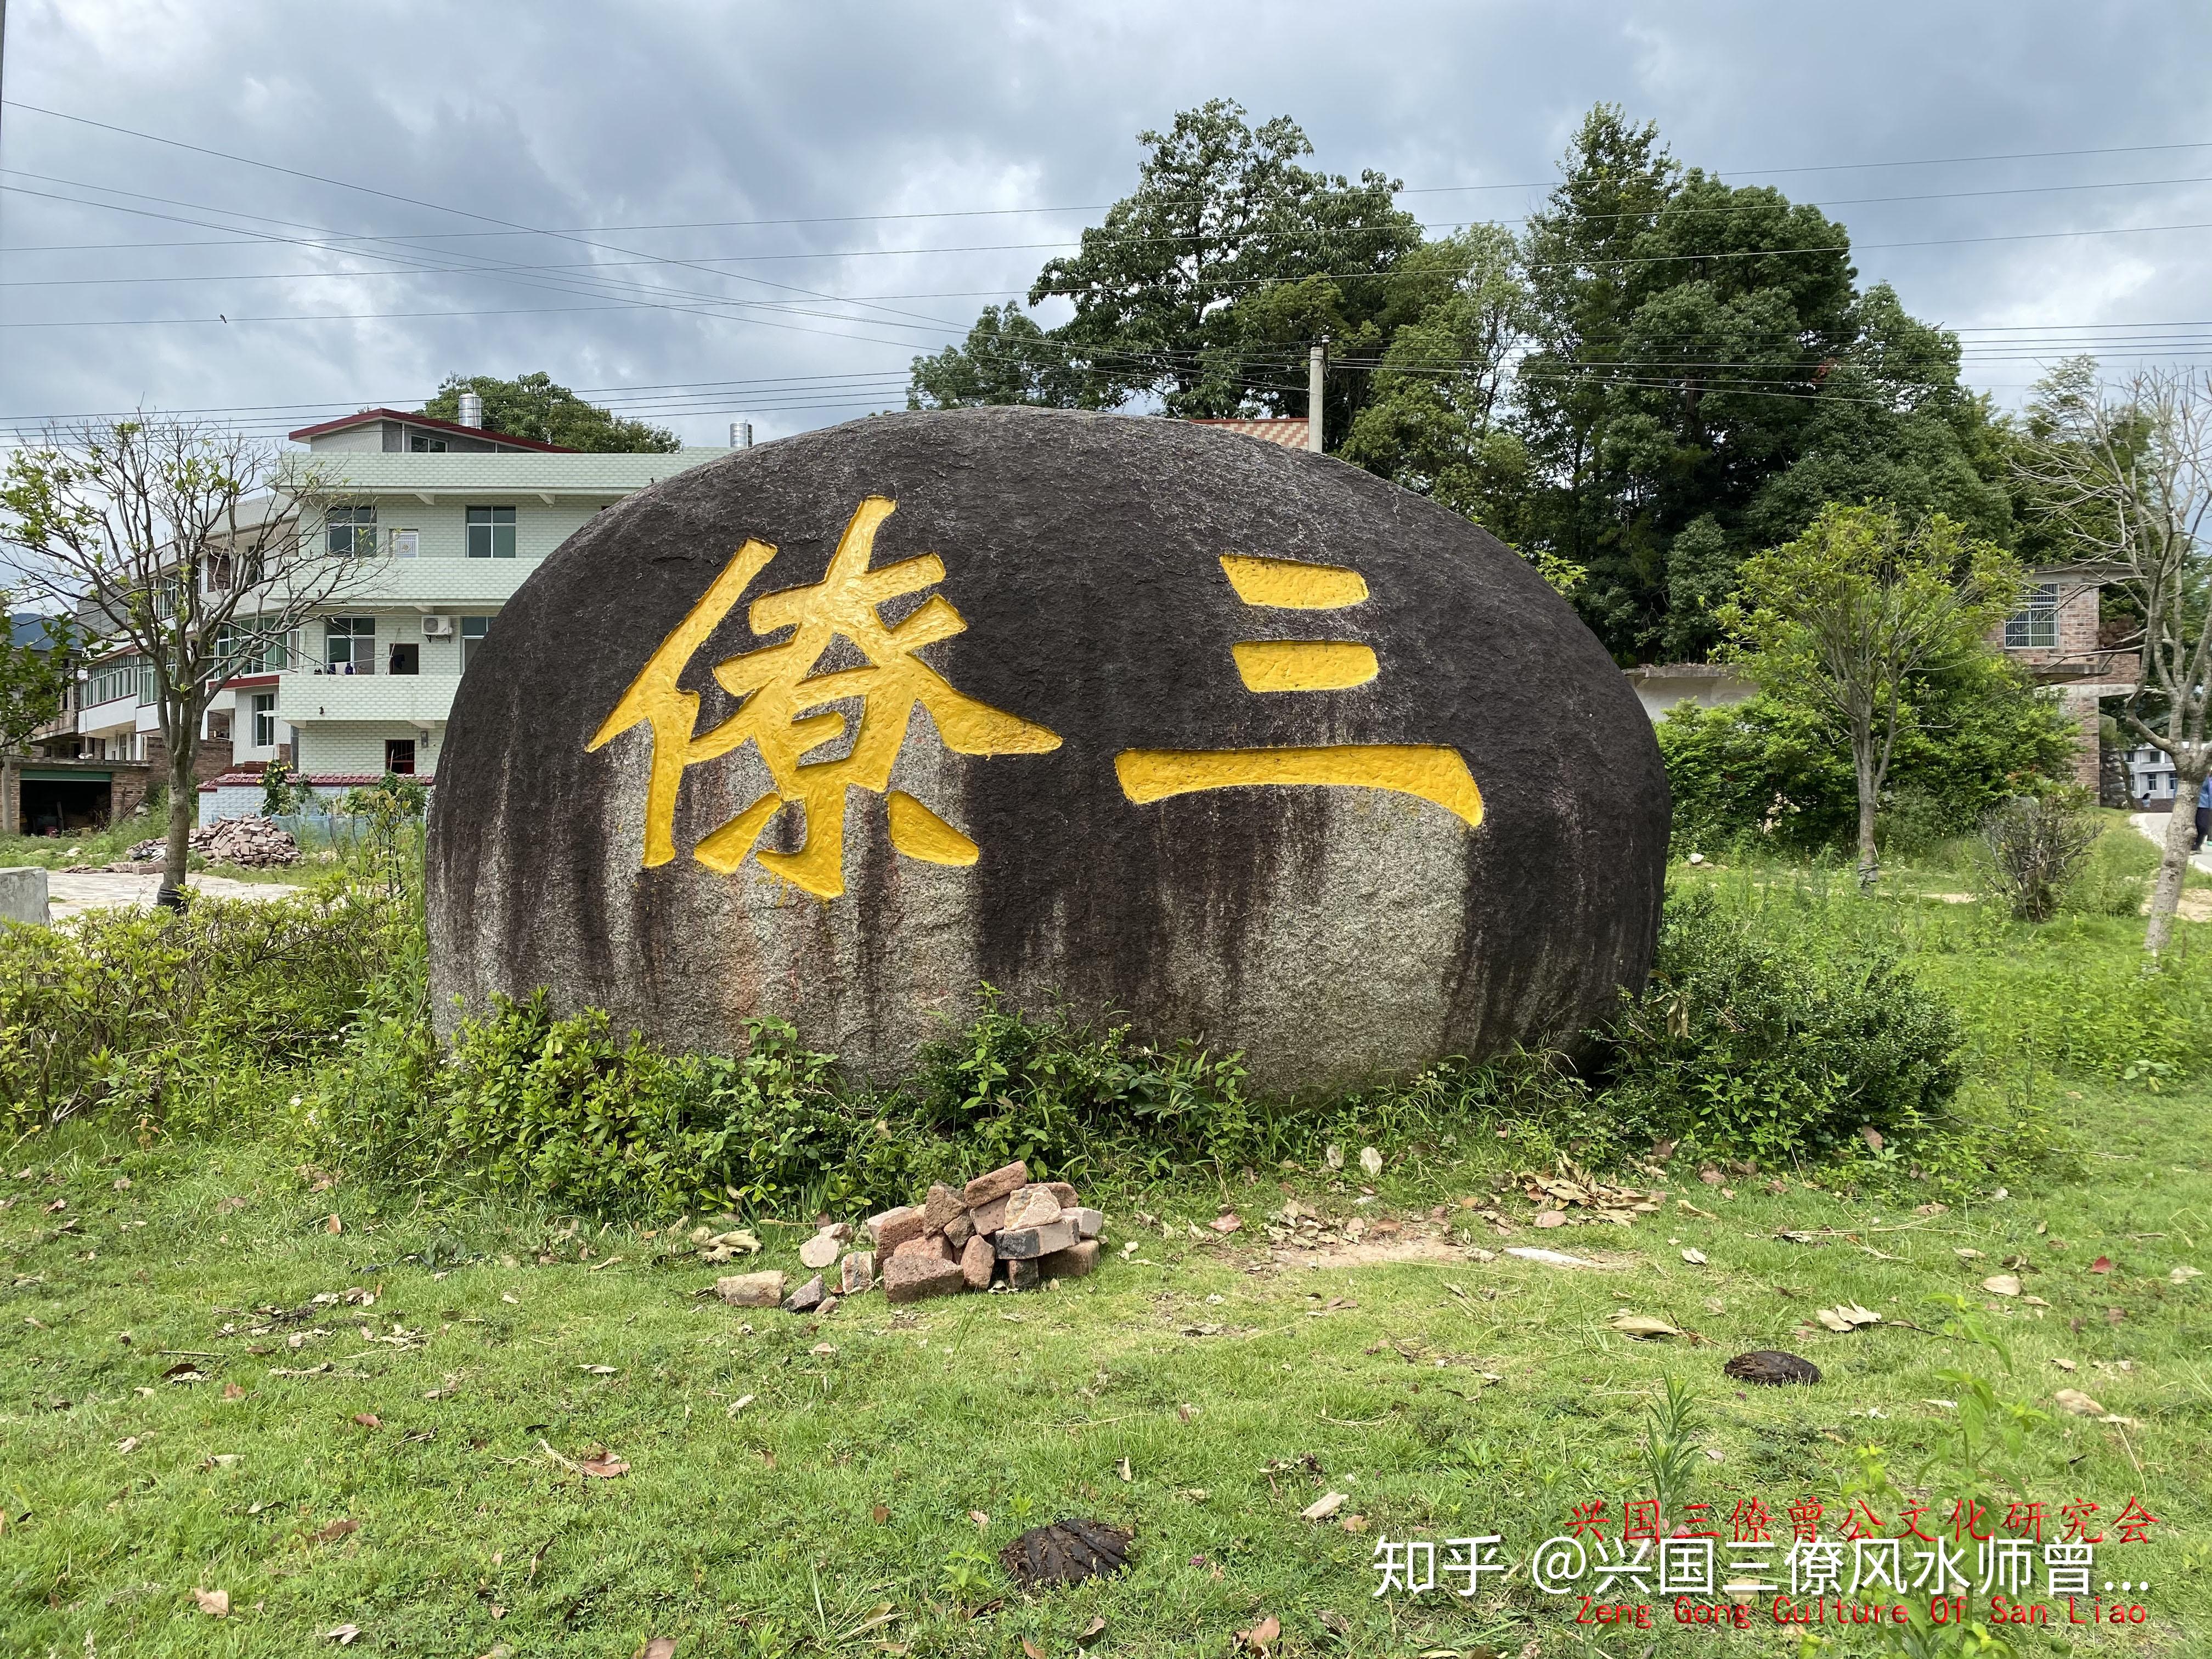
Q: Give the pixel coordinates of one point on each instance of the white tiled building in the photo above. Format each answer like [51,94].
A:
[449,519]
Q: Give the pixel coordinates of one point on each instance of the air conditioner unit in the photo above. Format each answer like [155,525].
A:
[437,627]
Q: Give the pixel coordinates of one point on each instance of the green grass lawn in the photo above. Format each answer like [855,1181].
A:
[409,1466]
[833,1511]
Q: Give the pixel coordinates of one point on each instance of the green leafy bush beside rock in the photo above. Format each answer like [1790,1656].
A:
[1759,1036]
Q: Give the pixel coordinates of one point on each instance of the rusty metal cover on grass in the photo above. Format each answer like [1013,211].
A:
[1067,1552]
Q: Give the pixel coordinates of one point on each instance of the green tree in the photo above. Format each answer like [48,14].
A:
[1204,287]
[1435,414]
[1844,618]
[1006,359]
[532,406]
[37,661]
[1705,376]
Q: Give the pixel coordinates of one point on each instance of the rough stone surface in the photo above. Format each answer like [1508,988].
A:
[857,1273]
[1065,1194]
[1088,1222]
[976,1262]
[1073,1262]
[1028,1244]
[23,894]
[995,1184]
[763,1290]
[929,1246]
[1021,1275]
[959,1229]
[820,1250]
[913,1274]
[1336,932]
[989,1218]
[894,1227]
[939,1209]
[807,1297]
[1033,1206]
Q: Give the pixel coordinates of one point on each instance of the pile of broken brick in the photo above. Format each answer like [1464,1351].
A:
[1000,1230]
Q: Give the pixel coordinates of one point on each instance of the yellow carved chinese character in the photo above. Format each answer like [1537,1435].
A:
[779,687]
[1434,772]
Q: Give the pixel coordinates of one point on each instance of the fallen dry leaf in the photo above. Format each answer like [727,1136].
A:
[231,1391]
[1847,1316]
[602,1466]
[1122,1469]
[1644,1327]
[1032,1648]
[1261,1636]
[2064,1365]
[1372,1161]
[1091,1631]
[2103,1264]
[1321,1507]
[2183,1275]
[661,1647]
[334,1225]
[1551,1219]
[881,1514]
[368,1419]
[2002,1284]
[214,1604]
[336,1530]
[1871,1135]
[1226,1224]
[1695,1258]
[2079,1404]
[598,1371]
[343,1635]
[983,1521]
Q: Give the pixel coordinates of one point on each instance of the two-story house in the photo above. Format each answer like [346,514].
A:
[2056,637]
[447,519]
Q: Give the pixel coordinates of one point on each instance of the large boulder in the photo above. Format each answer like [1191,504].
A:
[1237,742]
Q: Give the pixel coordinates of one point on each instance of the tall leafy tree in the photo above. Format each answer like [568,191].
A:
[1435,418]
[1846,618]
[533,407]
[1707,374]
[1006,359]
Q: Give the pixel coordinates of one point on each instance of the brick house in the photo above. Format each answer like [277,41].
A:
[2057,638]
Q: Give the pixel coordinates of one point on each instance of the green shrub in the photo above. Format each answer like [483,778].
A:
[1759,1036]
[1771,772]
[565,1108]
[1058,1092]
[2116,877]
[137,1011]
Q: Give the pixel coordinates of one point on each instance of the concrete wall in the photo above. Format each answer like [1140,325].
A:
[23,894]
[353,748]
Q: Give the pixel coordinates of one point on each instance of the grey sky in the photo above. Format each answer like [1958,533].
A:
[559,114]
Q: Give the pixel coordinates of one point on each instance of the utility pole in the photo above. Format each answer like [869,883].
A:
[1317,362]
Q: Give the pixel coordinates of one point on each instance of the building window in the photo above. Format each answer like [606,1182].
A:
[349,531]
[116,678]
[349,644]
[399,756]
[406,657]
[265,720]
[491,532]
[422,443]
[2034,626]
[473,629]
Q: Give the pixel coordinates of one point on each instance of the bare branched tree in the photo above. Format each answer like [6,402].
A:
[2128,477]
[188,544]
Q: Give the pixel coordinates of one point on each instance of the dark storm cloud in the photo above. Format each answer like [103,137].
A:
[560,114]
